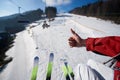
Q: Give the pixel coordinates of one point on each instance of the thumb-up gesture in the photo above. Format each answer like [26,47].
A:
[75,40]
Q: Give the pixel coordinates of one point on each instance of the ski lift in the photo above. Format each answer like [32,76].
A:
[22,19]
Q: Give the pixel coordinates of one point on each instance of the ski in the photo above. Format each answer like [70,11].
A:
[50,65]
[65,72]
[35,68]
[68,72]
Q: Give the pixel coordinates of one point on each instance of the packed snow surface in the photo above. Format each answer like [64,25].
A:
[41,42]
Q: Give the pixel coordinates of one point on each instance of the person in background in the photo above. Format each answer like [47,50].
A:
[108,46]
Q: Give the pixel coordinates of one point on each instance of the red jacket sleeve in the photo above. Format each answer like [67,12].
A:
[109,46]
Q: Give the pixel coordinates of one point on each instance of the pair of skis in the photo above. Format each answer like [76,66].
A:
[67,71]
[49,68]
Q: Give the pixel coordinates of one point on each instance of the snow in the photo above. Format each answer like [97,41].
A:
[54,39]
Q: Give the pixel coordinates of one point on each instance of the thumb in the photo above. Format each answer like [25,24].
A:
[73,32]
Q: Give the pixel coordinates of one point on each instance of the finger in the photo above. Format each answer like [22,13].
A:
[73,32]
[71,39]
[72,43]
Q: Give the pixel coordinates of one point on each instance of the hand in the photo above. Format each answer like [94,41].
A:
[76,40]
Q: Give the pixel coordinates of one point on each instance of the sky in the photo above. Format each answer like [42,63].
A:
[9,7]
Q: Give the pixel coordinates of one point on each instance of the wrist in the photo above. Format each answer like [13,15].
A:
[83,42]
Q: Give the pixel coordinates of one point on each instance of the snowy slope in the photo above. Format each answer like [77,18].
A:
[55,39]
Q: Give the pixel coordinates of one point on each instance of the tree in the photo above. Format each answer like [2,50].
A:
[50,12]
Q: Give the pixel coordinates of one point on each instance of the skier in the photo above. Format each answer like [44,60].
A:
[109,46]
[45,25]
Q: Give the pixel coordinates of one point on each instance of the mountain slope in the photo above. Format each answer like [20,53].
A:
[55,39]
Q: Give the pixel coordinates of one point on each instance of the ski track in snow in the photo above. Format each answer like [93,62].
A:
[54,40]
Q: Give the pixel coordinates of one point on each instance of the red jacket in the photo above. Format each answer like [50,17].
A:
[109,46]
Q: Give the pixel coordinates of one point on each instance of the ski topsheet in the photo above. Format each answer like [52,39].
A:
[67,71]
[35,68]
[49,68]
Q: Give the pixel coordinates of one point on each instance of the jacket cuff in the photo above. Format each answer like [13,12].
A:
[90,44]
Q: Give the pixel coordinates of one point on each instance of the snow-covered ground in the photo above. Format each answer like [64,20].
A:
[54,39]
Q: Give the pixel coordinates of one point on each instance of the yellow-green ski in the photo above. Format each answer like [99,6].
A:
[49,68]
[67,71]
[35,68]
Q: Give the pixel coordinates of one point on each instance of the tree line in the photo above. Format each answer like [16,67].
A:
[105,9]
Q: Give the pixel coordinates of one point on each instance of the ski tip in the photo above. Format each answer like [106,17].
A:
[51,54]
[51,57]
[36,58]
[66,63]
